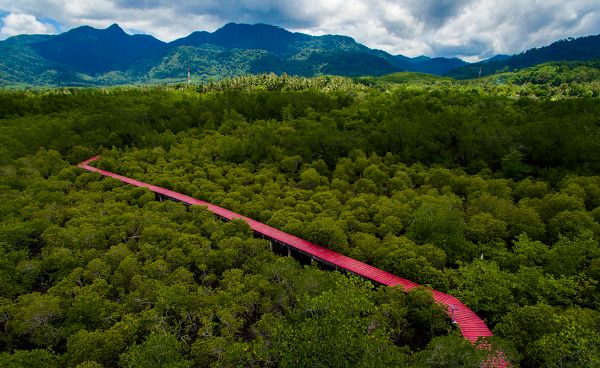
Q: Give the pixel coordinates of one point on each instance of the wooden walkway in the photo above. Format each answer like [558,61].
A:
[471,326]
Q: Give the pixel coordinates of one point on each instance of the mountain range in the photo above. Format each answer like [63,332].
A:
[89,56]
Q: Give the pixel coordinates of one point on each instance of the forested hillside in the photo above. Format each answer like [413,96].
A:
[553,74]
[86,56]
[486,191]
[572,49]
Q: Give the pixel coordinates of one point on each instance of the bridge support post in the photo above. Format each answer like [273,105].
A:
[271,246]
[289,252]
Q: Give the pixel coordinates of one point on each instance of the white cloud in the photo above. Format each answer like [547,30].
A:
[19,23]
[470,28]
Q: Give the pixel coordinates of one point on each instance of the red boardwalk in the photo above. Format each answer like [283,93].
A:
[471,326]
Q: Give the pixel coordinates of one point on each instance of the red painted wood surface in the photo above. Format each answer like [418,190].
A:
[471,326]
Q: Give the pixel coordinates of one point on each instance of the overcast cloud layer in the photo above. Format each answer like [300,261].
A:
[471,29]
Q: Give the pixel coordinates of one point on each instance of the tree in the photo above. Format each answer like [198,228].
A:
[310,179]
[378,177]
[528,188]
[223,352]
[326,231]
[29,358]
[102,346]
[329,330]
[450,351]
[514,167]
[484,288]
[291,164]
[572,223]
[569,256]
[528,252]
[36,317]
[440,221]
[404,258]
[159,350]
[426,318]
[237,227]
[484,228]
[552,337]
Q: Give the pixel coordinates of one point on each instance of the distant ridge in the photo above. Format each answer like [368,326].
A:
[92,51]
[87,56]
[243,36]
[572,49]
[90,56]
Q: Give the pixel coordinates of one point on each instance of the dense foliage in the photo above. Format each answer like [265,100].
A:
[555,74]
[491,198]
[547,81]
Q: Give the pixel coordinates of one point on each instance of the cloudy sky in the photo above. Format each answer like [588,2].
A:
[471,29]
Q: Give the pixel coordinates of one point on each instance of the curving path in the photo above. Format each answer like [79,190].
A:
[471,326]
